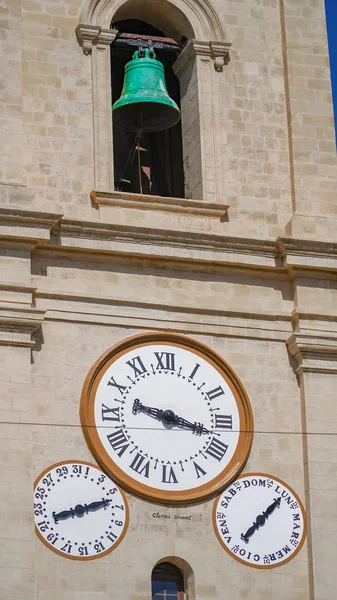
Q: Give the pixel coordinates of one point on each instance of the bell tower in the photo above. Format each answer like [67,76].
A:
[168,329]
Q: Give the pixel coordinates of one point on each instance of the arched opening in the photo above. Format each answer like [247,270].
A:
[167,582]
[163,15]
[199,24]
[154,164]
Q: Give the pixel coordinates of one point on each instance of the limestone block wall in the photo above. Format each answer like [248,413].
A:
[272,387]
[265,114]
[252,304]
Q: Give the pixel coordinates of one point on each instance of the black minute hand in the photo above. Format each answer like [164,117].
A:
[168,417]
[197,428]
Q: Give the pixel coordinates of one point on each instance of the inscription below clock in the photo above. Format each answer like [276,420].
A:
[260,521]
[59,516]
[165,413]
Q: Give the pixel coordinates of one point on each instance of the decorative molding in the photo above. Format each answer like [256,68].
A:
[314,351]
[166,245]
[34,228]
[309,254]
[203,18]
[29,217]
[18,324]
[86,35]
[29,226]
[216,51]
[220,54]
[159,203]
[89,35]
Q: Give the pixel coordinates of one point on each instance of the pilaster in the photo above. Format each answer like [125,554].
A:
[196,68]
[96,41]
[315,354]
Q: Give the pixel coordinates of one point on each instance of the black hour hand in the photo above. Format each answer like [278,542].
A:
[260,520]
[138,407]
[80,510]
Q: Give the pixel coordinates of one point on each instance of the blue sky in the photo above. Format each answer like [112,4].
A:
[331,18]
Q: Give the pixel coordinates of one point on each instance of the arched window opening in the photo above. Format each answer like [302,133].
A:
[157,167]
[167,582]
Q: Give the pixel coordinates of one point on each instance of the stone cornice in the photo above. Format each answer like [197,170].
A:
[301,253]
[89,35]
[166,245]
[30,227]
[198,240]
[314,351]
[216,51]
[18,324]
[34,228]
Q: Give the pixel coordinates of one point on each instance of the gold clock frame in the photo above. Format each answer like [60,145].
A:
[105,461]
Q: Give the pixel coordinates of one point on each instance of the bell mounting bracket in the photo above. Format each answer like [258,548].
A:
[153,45]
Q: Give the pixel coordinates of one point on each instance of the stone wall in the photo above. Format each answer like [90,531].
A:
[246,264]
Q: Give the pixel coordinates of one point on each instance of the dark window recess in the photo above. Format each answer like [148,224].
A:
[167,582]
[160,154]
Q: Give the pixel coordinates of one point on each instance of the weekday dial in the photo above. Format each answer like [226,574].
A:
[167,418]
[79,512]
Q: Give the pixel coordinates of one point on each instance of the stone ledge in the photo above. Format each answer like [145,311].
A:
[147,202]
[314,351]
[304,253]
[26,225]
[184,246]
[17,287]
[18,324]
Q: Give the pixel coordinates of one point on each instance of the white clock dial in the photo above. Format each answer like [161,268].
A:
[79,512]
[167,417]
[260,521]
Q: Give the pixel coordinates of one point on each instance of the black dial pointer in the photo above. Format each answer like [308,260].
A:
[168,417]
[80,510]
[260,520]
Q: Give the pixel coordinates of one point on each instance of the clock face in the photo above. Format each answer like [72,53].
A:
[79,512]
[166,417]
[260,521]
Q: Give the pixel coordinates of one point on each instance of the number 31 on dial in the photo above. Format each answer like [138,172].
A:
[166,417]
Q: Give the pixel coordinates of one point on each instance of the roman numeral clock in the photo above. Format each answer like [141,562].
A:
[166,418]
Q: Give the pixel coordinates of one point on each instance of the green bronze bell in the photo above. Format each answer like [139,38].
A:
[145,104]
